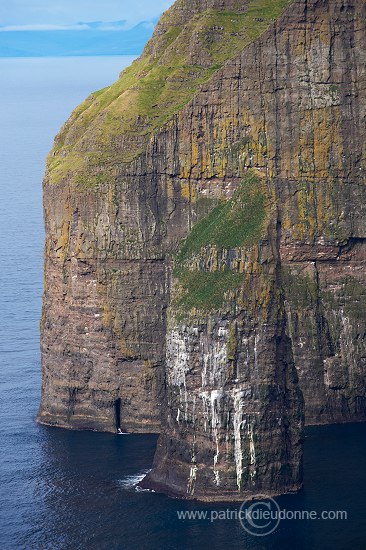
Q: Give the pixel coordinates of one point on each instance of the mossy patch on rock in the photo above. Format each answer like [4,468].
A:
[235,223]
[232,224]
[204,290]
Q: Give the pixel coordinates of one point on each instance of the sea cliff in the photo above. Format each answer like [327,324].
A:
[205,244]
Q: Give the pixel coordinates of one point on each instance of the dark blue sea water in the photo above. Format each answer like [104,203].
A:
[67,491]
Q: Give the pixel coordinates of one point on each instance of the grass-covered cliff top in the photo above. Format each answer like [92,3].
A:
[113,125]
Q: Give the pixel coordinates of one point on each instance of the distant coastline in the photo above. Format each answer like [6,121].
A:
[67,55]
[72,43]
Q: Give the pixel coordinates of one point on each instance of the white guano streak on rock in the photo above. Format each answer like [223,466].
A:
[216,397]
[346,341]
[178,364]
[193,470]
[252,455]
[214,365]
[192,480]
[211,407]
[213,370]
[214,360]
[238,423]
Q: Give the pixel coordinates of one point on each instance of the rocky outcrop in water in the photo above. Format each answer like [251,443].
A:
[205,251]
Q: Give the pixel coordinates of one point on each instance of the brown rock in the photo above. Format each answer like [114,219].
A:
[216,347]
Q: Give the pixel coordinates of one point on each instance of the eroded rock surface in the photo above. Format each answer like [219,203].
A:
[205,252]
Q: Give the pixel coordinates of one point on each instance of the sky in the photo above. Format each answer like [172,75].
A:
[46,15]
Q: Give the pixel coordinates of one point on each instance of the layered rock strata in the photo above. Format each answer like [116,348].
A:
[205,252]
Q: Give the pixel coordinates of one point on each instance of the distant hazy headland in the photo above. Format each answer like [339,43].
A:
[82,39]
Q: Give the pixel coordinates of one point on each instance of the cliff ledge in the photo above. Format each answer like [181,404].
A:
[205,245]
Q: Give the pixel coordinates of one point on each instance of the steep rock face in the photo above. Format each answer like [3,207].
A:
[234,408]
[115,208]
[260,163]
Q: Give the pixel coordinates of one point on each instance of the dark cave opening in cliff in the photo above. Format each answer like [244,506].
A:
[117,411]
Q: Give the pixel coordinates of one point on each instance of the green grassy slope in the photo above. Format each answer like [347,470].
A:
[152,90]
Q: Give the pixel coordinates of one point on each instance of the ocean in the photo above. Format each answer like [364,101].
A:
[63,490]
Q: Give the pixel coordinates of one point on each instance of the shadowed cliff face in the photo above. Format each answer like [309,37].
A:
[205,252]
